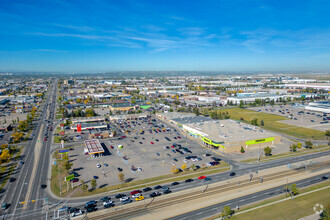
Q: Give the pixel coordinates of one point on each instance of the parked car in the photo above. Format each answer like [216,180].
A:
[98,165]
[139,198]
[154,194]
[108,204]
[118,196]
[124,198]
[126,201]
[147,189]
[135,192]
[105,199]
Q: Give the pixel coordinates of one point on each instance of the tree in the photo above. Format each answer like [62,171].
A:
[327,133]
[173,169]
[193,167]
[93,183]
[242,150]
[262,123]
[184,167]
[121,177]
[293,147]
[309,144]
[292,189]
[17,137]
[299,145]
[5,156]
[272,102]
[241,104]
[325,215]
[67,165]
[226,212]
[84,187]
[267,151]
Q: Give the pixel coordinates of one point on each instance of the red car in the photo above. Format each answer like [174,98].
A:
[45,139]
[135,192]
[179,137]
[111,147]
[151,142]
[172,146]
[123,136]
[201,177]
[74,180]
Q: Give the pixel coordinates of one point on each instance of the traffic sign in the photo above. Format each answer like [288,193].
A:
[63,151]
[70,177]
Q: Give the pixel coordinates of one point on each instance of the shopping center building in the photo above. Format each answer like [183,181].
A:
[228,136]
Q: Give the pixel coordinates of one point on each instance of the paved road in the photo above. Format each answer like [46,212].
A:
[244,200]
[16,192]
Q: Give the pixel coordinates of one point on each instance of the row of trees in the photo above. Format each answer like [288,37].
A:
[79,113]
[219,115]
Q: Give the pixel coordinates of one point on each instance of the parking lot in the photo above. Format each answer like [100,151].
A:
[145,153]
[298,116]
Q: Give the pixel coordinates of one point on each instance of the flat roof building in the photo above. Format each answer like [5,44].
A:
[94,148]
[228,136]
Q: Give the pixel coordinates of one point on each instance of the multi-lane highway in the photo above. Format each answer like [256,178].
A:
[244,200]
[33,172]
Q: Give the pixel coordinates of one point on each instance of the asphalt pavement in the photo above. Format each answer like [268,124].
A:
[244,200]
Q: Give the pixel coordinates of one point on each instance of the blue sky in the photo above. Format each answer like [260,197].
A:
[129,35]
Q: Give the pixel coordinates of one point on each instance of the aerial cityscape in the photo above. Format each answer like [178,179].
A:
[165,110]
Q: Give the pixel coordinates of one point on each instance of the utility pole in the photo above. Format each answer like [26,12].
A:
[258,154]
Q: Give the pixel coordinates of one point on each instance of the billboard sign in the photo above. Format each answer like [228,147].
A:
[78,127]
[63,151]
[68,178]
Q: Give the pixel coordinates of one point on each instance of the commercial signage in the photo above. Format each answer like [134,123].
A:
[63,151]
[78,127]
[259,141]
[67,178]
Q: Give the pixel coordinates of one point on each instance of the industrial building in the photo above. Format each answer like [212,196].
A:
[323,107]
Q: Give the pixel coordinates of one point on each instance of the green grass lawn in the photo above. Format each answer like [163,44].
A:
[299,152]
[290,209]
[271,123]
[57,139]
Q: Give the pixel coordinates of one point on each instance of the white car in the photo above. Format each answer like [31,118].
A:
[173,163]
[124,198]
[185,161]
[76,213]
[137,195]
[208,164]
[108,202]
[139,169]
[98,165]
